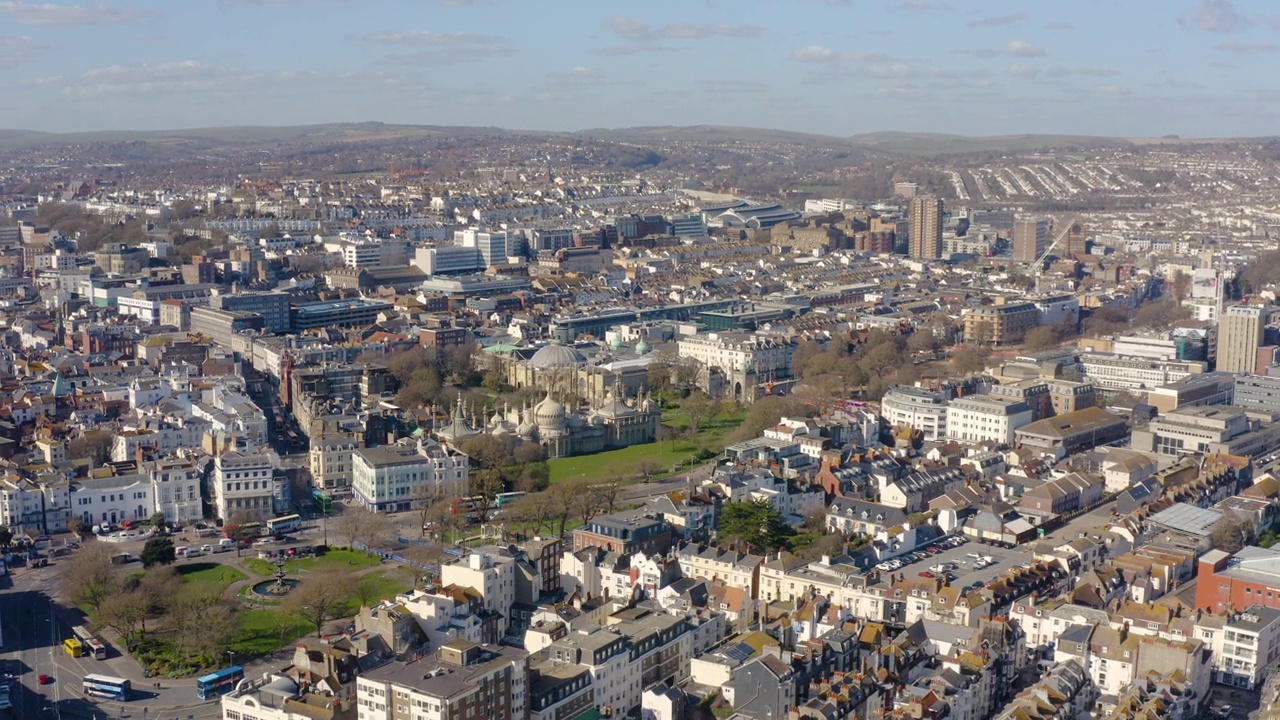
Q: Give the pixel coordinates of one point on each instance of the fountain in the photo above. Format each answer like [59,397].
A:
[279,587]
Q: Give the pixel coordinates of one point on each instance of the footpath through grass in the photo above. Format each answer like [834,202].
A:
[209,577]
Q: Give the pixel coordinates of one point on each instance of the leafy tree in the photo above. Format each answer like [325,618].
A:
[755,524]
[158,521]
[534,477]
[320,598]
[158,551]
[660,373]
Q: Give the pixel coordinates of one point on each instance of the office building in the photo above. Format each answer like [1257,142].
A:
[1239,336]
[926,228]
[1076,242]
[1260,393]
[343,313]
[494,247]
[247,485]
[272,306]
[997,325]
[390,478]
[1029,238]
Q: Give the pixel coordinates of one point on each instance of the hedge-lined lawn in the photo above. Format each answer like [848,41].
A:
[350,559]
[627,460]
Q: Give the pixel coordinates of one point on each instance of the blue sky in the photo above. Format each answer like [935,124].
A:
[1196,68]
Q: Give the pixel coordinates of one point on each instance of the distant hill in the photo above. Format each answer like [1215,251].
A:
[243,135]
[723,133]
[894,143]
[904,143]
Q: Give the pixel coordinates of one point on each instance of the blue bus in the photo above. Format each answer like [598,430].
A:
[105,686]
[323,501]
[219,683]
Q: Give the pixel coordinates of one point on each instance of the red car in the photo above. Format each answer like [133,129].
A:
[927,574]
[46,679]
[932,550]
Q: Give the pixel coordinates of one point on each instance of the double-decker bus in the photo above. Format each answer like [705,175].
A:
[285,524]
[90,643]
[323,501]
[218,683]
[73,647]
[507,498]
[105,686]
[247,531]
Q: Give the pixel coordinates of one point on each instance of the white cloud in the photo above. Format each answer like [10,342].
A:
[1212,16]
[821,54]
[1020,48]
[440,48]
[999,20]
[1247,48]
[16,49]
[639,31]
[923,6]
[1015,48]
[1083,71]
[52,14]
[1023,70]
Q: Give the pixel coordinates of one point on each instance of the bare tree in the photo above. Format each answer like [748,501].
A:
[376,531]
[536,509]
[608,489]
[560,505]
[160,588]
[648,467]
[347,525]
[1230,533]
[126,614]
[320,598]
[367,589]
[201,624]
[89,576]
[697,406]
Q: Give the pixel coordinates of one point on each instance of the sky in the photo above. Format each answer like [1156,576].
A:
[1194,68]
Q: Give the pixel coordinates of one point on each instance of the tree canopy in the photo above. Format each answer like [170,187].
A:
[755,524]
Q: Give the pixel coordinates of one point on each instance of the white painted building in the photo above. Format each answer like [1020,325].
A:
[489,572]
[246,483]
[389,478]
[986,418]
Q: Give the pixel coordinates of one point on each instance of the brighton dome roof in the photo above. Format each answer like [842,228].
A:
[556,355]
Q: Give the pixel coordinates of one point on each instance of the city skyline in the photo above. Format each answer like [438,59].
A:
[837,67]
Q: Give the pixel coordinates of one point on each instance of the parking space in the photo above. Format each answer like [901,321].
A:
[991,561]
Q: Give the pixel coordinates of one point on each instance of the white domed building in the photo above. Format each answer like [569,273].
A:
[617,422]
[586,370]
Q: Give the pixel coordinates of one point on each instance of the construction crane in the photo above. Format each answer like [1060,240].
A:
[1066,228]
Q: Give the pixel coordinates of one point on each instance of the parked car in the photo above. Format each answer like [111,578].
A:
[927,574]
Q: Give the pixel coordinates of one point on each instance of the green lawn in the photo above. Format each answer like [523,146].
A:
[352,559]
[260,632]
[598,466]
[209,577]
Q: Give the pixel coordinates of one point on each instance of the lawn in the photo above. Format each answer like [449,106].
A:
[683,450]
[209,577]
[261,632]
[351,559]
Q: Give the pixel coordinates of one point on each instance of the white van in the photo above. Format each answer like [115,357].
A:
[225,545]
[181,551]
